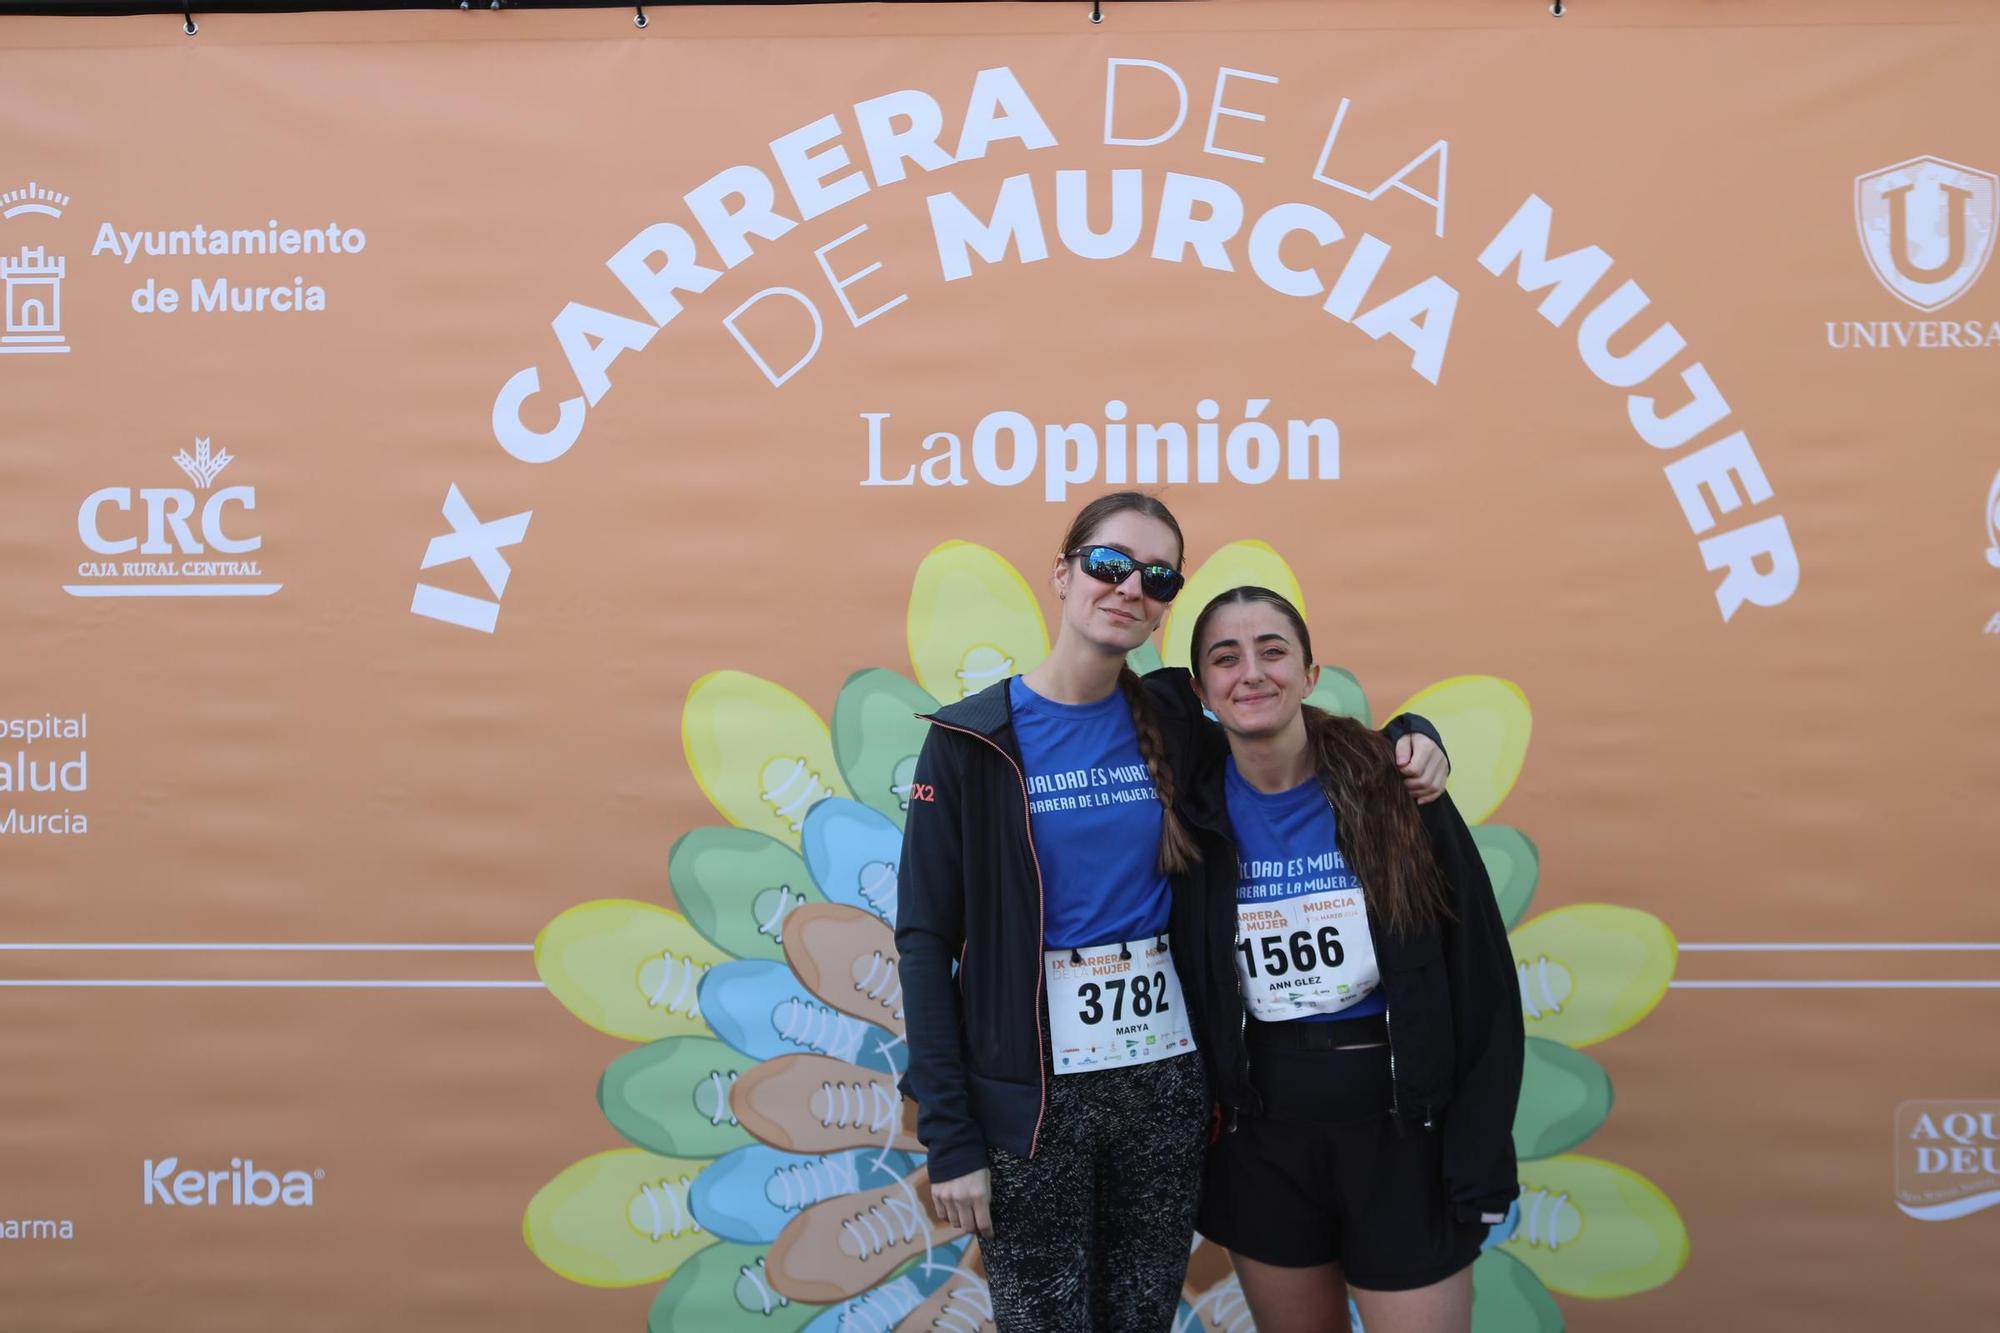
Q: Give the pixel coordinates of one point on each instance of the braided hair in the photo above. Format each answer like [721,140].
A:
[1178,852]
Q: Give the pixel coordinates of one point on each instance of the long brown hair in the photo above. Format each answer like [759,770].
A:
[1381,834]
[1178,851]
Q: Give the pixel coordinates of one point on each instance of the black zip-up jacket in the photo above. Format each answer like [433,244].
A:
[1454,1006]
[969,894]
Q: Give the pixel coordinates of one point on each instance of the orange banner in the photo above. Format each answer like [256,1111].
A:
[487,494]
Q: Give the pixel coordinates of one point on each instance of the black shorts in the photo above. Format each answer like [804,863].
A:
[1325,1176]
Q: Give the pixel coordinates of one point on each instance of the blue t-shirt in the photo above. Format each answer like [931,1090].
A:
[1094,817]
[1280,838]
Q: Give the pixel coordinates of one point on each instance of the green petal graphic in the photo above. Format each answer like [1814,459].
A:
[672,1097]
[1513,864]
[876,736]
[724,1287]
[737,886]
[1565,1096]
[1339,693]
[1507,1298]
[1144,658]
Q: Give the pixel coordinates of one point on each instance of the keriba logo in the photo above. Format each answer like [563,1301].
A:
[243,1185]
[1927,227]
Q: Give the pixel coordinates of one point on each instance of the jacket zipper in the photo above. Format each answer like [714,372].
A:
[1041,929]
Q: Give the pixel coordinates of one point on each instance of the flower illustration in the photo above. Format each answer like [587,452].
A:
[771,1177]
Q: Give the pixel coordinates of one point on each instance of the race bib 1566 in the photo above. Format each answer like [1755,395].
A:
[1307,955]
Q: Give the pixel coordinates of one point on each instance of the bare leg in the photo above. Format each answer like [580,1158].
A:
[1442,1307]
[1294,1300]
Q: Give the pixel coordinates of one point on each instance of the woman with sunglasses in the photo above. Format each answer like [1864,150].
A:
[1383,1020]
[1064,946]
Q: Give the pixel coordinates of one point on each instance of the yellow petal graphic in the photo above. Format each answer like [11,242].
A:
[627,968]
[1231,567]
[616,1219]
[1595,1229]
[1591,970]
[759,752]
[1485,723]
[973,620]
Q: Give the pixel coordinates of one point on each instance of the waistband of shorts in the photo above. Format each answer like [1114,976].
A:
[1303,1035]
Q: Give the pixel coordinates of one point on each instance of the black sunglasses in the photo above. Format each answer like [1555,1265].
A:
[1108,564]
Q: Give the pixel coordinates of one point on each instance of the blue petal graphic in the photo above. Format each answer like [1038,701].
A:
[852,851]
[759,1008]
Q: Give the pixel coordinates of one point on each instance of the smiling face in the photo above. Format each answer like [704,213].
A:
[1251,670]
[1116,618]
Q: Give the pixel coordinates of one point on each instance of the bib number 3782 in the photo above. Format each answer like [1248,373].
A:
[1113,1005]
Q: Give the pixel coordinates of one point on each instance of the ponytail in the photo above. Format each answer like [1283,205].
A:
[1382,834]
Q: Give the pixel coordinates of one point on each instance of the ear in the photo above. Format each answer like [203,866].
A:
[1059,575]
[1194,683]
[1312,678]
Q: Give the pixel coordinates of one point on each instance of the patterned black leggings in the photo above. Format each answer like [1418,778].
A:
[1093,1232]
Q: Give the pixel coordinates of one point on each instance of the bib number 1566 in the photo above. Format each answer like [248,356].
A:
[1301,951]
[1148,996]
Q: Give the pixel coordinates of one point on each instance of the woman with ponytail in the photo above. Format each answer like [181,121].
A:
[1064,951]
[1381,1017]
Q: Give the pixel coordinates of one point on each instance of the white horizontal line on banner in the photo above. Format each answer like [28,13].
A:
[283,983]
[1834,985]
[286,947]
[1857,947]
[171,589]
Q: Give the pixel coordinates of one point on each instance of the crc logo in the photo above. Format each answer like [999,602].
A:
[243,1185]
[169,509]
[1947,1158]
[1927,227]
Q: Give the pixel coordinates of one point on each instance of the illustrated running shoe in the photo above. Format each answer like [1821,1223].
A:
[1339,693]
[962,1303]
[761,1009]
[1590,971]
[890,1305]
[627,968]
[972,621]
[739,887]
[1507,1298]
[726,1287]
[748,1194]
[759,752]
[616,1219]
[812,1104]
[835,1250]
[847,957]
[1220,1308]
[672,1096]
[1513,863]
[1565,1096]
[1237,563]
[1503,1231]
[1595,1229]
[852,852]
[1486,724]
[876,736]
